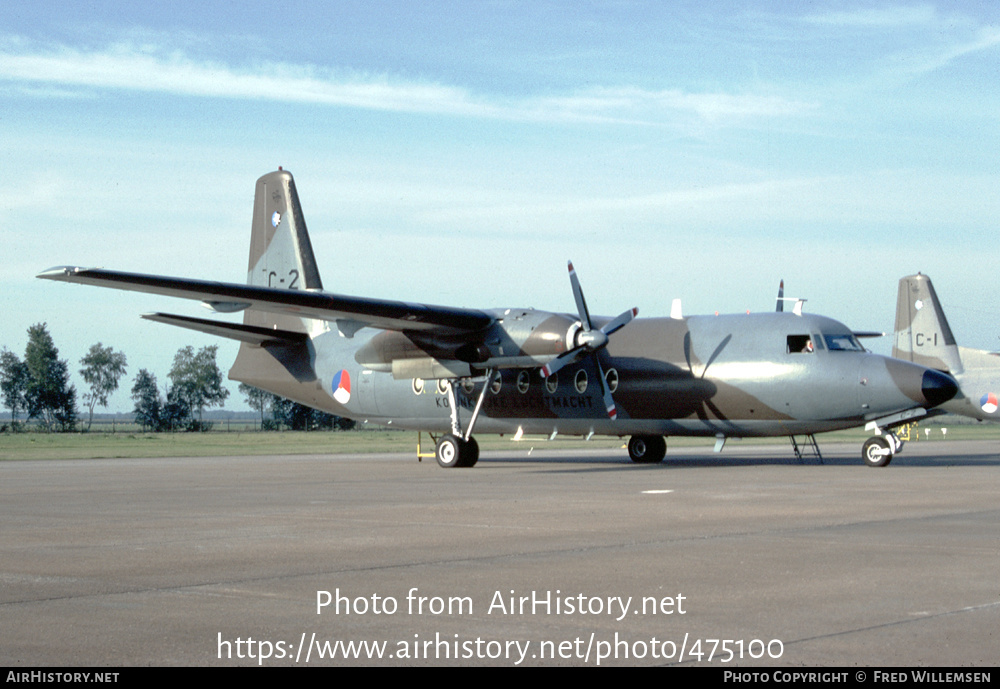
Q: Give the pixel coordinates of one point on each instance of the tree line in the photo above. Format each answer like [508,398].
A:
[38,389]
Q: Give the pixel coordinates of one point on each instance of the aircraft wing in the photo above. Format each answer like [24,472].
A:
[230,297]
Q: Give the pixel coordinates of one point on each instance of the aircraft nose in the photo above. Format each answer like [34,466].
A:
[888,384]
[937,387]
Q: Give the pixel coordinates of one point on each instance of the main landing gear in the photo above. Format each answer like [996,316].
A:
[453,451]
[879,450]
[456,449]
[647,449]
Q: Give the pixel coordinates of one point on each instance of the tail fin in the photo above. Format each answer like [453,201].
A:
[282,257]
[280,252]
[922,332]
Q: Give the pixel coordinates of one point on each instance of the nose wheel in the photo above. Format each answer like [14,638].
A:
[879,450]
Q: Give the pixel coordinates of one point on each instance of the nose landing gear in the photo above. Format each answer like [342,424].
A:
[879,450]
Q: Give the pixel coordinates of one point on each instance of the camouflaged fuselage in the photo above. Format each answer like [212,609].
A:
[738,375]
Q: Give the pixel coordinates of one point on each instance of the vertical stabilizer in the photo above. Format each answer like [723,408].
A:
[280,253]
[280,257]
[922,332]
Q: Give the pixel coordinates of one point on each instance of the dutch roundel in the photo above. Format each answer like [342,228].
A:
[342,387]
[988,402]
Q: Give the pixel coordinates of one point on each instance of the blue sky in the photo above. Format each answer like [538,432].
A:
[460,153]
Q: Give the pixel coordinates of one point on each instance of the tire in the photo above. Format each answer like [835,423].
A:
[453,452]
[470,453]
[449,451]
[647,449]
[877,451]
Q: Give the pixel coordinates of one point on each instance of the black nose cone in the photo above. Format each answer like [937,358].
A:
[938,387]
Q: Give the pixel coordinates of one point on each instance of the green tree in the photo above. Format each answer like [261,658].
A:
[102,368]
[50,397]
[197,380]
[299,417]
[13,384]
[147,401]
[176,413]
[257,399]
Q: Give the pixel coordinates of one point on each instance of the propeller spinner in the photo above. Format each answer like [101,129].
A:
[590,340]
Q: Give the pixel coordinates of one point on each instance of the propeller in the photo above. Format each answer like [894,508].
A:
[590,340]
[707,403]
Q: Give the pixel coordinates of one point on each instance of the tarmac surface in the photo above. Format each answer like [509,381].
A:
[747,558]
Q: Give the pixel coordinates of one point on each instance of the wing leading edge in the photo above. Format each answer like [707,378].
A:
[357,312]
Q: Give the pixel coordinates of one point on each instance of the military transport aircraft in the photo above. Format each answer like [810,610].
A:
[924,337]
[519,370]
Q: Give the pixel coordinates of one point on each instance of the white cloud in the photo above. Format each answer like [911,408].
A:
[986,38]
[150,69]
[877,17]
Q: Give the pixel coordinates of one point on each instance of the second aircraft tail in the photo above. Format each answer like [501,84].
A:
[922,332]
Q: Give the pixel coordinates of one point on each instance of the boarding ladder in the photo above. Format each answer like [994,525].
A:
[808,448]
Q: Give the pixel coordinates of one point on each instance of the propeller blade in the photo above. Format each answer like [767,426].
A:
[609,402]
[716,353]
[581,303]
[620,322]
[569,357]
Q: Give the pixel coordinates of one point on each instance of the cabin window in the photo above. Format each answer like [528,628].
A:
[581,381]
[800,344]
[523,381]
[611,378]
[552,382]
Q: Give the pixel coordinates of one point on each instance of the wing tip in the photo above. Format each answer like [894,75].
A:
[59,272]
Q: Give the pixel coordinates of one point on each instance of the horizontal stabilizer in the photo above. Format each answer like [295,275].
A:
[235,331]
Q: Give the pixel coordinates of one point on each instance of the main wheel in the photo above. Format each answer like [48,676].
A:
[647,449]
[449,451]
[470,453]
[877,451]
[453,451]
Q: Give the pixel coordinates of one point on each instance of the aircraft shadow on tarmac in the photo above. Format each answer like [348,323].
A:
[945,456]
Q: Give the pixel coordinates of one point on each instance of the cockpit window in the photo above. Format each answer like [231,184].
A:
[845,343]
[800,344]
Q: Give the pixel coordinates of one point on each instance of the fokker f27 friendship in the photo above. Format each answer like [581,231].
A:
[524,371]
